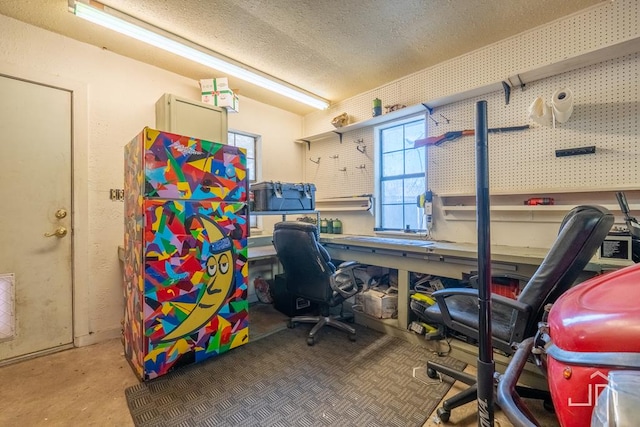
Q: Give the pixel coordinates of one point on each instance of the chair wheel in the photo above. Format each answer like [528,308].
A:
[431,373]
[547,404]
[443,414]
[352,337]
[291,324]
[311,341]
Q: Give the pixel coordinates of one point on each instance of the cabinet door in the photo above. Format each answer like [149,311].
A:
[191,118]
[182,167]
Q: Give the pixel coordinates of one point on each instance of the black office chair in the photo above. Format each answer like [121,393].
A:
[581,233]
[310,274]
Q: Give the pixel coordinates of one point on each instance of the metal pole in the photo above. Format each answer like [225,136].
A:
[486,366]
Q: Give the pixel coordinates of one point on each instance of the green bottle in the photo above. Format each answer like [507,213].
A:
[323,225]
[330,226]
[337,226]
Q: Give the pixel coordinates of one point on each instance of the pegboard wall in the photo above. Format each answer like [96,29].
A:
[606,114]
[342,169]
[602,25]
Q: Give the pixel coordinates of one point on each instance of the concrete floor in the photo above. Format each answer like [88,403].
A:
[85,387]
[78,387]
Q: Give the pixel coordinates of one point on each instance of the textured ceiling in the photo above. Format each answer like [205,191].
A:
[335,49]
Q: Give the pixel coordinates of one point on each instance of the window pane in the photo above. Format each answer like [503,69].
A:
[413,131]
[392,216]
[392,164]
[392,191]
[246,142]
[415,160]
[251,166]
[412,188]
[392,139]
[411,216]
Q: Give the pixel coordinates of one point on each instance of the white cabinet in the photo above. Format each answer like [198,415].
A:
[191,118]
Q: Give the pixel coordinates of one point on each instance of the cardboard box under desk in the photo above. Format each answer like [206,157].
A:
[378,304]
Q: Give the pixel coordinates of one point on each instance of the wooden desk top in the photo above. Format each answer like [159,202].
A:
[512,254]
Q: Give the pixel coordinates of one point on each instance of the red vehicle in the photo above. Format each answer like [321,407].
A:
[592,329]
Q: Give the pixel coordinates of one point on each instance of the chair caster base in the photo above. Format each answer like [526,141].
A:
[311,341]
[443,414]
[352,337]
[291,324]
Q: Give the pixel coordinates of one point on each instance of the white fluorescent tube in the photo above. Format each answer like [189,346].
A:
[107,18]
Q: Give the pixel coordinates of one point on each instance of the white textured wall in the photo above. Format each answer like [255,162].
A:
[121,98]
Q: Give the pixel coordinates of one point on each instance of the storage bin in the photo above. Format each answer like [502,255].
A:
[283,196]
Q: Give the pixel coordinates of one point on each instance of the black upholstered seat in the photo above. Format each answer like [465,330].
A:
[310,274]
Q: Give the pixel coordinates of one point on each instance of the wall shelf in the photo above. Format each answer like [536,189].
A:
[345,204]
[509,207]
[394,115]
[537,208]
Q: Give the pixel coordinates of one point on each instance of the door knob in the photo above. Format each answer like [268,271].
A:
[61,213]
[60,232]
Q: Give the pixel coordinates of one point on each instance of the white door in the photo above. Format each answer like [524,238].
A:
[35,193]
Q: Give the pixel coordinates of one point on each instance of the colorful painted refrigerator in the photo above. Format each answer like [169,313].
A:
[185,251]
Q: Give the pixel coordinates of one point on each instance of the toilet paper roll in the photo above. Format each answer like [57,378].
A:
[540,112]
[562,105]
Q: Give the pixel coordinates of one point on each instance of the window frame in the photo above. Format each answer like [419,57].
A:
[378,164]
[255,222]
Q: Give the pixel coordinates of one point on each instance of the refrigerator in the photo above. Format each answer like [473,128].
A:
[185,260]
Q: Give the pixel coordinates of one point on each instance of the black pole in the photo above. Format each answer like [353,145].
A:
[486,366]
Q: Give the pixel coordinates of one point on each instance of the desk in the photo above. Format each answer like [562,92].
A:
[435,258]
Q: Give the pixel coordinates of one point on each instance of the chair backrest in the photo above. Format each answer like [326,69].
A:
[307,265]
[581,233]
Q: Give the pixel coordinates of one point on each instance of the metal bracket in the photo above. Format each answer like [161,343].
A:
[429,109]
[308,143]
[507,92]
[339,133]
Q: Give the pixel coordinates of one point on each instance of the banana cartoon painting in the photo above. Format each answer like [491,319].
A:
[218,281]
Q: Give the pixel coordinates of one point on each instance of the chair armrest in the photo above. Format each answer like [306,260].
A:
[348,285]
[349,265]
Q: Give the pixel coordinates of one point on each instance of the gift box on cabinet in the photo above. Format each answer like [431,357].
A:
[225,98]
[216,92]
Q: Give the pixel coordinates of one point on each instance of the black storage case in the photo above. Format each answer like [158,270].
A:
[283,196]
[287,303]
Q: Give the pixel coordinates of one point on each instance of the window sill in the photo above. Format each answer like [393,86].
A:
[400,234]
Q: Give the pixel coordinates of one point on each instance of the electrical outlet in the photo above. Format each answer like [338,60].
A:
[116,194]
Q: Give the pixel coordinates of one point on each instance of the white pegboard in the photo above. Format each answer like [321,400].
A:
[345,169]
[606,111]
[602,25]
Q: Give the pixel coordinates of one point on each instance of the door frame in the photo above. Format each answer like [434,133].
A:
[79,191]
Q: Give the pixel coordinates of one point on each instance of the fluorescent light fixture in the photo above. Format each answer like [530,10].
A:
[107,17]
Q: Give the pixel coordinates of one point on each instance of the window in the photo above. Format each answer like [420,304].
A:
[401,171]
[249,143]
